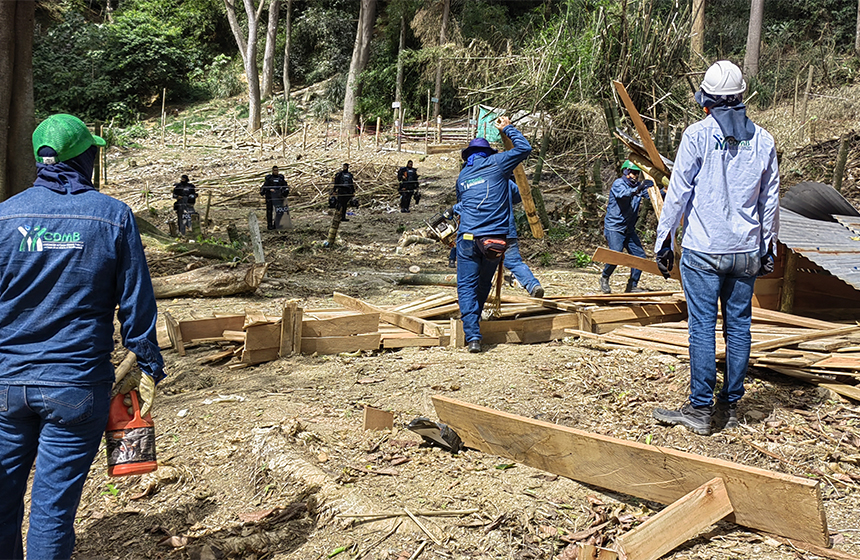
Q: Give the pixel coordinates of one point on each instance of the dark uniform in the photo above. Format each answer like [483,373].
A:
[344,190]
[408,188]
[275,190]
[185,194]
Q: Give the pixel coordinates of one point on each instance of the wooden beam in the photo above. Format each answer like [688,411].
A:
[338,344]
[174,333]
[770,316]
[678,523]
[210,328]
[288,324]
[796,339]
[771,501]
[526,193]
[644,135]
[344,325]
[789,280]
[413,324]
[608,256]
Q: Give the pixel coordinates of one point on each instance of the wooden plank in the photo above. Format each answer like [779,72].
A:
[607,256]
[850,391]
[591,552]
[409,341]
[263,336]
[297,330]
[525,193]
[770,316]
[436,311]
[616,313]
[414,324]
[792,340]
[287,326]
[338,344]
[843,361]
[174,333]
[252,357]
[678,523]
[376,419]
[630,342]
[458,336]
[641,129]
[216,357]
[345,325]
[825,344]
[442,298]
[234,336]
[210,328]
[770,501]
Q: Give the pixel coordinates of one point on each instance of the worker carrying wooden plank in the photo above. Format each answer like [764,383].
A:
[725,185]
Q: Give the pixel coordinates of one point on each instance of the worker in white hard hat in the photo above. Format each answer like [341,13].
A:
[725,184]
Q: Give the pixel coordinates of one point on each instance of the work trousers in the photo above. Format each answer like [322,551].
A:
[60,429]
[624,240]
[521,271]
[273,217]
[727,280]
[406,199]
[343,204]
[474,278]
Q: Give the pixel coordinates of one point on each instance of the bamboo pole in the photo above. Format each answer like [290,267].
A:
[304,137]
[525,193]
[805,99]
[378,124]
[184,135]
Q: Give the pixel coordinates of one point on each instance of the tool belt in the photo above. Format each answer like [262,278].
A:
[492,246]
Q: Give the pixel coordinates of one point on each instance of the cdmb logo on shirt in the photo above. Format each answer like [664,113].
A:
[38,238]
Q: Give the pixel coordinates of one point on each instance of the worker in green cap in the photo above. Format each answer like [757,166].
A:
[70,260]
[619,225]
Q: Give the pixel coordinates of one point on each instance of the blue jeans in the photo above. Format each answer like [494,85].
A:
[60,429]
[474,278]
[618,241]
[520,270]
[727,280]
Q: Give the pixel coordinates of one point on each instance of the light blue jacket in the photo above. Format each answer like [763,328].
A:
[483,193]
[726,191]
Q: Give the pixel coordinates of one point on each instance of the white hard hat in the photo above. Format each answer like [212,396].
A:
[724,78]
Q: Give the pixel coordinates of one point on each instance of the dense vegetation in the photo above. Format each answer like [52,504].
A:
[557,55]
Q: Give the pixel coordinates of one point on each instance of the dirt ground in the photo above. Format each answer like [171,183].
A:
[264,462]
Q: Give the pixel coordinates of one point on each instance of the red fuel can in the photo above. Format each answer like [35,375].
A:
[130,439]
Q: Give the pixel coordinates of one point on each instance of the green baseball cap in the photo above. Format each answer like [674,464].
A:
[67,135]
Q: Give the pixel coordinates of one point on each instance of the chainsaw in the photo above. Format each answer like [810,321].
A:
[444,226]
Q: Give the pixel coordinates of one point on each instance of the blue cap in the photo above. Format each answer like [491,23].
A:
[477,145]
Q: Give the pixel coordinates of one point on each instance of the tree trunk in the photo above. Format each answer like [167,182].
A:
[360,56]
[446,9]
[697,32]
[398,89]
[248,48]
[288,31]
[753,39]
[17,165]
[269,51]
[857,32]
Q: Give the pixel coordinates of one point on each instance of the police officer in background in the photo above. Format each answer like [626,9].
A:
[344,190]
[275,190]
[408,188]
[185,194]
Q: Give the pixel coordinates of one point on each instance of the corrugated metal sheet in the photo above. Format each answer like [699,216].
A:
[831,245]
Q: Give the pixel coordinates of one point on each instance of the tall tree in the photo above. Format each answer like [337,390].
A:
[269,51]
[401,48]
[857,32]
[288,32]
[248,48]
[360,56]
[697,33]
[17,165]
[446,9]
[753,38]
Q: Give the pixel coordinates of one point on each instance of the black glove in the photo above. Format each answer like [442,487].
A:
[767,262]
[665,258]
[448,214]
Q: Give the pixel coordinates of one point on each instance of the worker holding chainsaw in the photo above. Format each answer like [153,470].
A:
[484,207]
[71,257]
[619,225]
[725,185]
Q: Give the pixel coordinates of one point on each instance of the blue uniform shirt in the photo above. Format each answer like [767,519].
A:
[483,193]
[727,192]
[622,209]
[67,260]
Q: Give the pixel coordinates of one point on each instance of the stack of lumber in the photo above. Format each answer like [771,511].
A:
[252,337]
[819,352]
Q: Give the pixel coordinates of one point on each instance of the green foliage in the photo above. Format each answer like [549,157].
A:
[581,259]
[222,77]
[282,109]
[125,137]
[322,41]
[546,258]
[107,71]
[558,232]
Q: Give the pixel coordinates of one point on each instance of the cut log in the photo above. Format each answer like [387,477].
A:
[771,501]
[211,281]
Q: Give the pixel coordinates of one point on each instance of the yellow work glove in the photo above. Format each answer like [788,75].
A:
[146,390]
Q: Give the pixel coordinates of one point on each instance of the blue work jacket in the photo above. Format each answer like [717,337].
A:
[483,193]
[67,260]
[622,209]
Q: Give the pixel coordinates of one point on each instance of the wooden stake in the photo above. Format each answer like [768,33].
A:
[841,157]
[256,240]
[678,523]
[304,137]
[378,124]
[805,100]
[526,193]
[163,114]
[789,277]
